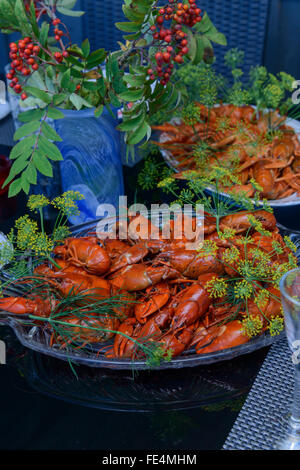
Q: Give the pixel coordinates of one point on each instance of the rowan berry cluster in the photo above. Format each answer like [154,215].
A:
[169,37]
[58,34]
[23,55]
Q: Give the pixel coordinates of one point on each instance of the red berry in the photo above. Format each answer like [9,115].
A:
[158,57]
[78,87]
[35,67]
[178,59]
[168,38]
[185,50]
[161,11]
[65,54]
[169,49]
[150,72]
[153,28]
[166,57]
[159,20]
[30,61]
[24,96]
[57,38]
[9,76]
[184,42]
[36,49]
[56,21]
[18,88]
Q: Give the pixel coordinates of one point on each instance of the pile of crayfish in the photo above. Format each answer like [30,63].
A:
[165,285]
[238,138]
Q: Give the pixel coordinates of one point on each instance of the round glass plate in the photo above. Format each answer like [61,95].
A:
[293,200]
[38,339]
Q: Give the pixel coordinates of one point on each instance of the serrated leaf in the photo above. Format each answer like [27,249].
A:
[26,129]
[128,27]
[25,184]
[99,111]
[49,149]
[67,12]
[50,133]
[54,113]
[32,115]
[65,79]
[131,124]
[40,94]
[139,134]
[22,17]
[42,164]
[86,48]
[15,188]
[25,145]
[79,102]
[132,95]
[31,174]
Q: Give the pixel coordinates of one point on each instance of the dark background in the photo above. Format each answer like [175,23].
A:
[274,25]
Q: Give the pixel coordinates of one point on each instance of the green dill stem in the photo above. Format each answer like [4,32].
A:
[52,261]
[42,220]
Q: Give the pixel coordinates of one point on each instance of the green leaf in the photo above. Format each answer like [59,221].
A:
[44,32]
[32,115]
[31,174]
[59,99]
[49,149]
[15,188]
[25,184]
[65,79]
[50,133]
[65,11]
[41,95]
[24,146]
[22,17]
[131,124]
[99,111]
[42,164]
[128,27]
[132,95]
[138,135]
[27,129]
[54,113]
[79,102]
[86,48]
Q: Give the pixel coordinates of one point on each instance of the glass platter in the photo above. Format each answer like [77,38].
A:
[39,340]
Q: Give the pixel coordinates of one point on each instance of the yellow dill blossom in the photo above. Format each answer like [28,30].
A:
[246,269]
[276,325]
[243,290]
[293,262]
[37,202]
[244,240]
[277,247]
[26,232]
[216,288]
[262,298]
[278,270]
[41,244]
[255,185]
[231,255]
[208,248]
[66,203]
[223,123]
[165,182]
[252,325]
[290,244]
[61,233]
[258,225]
[227,234]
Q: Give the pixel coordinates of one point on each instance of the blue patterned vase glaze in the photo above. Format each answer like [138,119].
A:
[92,162]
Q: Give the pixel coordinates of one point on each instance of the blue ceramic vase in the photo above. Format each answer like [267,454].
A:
[92,161]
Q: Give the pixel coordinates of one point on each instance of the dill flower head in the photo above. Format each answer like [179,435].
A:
[243,290]
[216,288]
[257,224]
[262,297]
[231,255]
[66,203]
[208,248]
[41,244]
[252,325]
[276,325]
[26,232]
[37,202]
[290,244]
[61,233]
[191,114]
[227,234]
